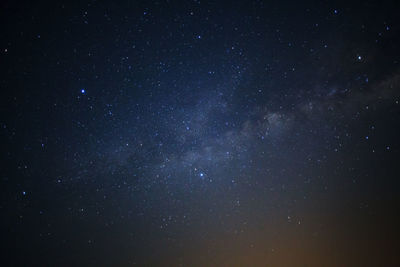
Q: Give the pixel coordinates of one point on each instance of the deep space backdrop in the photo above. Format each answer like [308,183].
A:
[199,133]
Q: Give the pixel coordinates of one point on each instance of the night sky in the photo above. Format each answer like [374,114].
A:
[200,133]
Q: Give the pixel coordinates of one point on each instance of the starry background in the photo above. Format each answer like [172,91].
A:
[199,133]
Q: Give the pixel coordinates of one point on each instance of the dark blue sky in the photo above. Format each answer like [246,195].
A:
[249,133]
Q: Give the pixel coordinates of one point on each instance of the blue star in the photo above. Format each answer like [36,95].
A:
[83,91]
